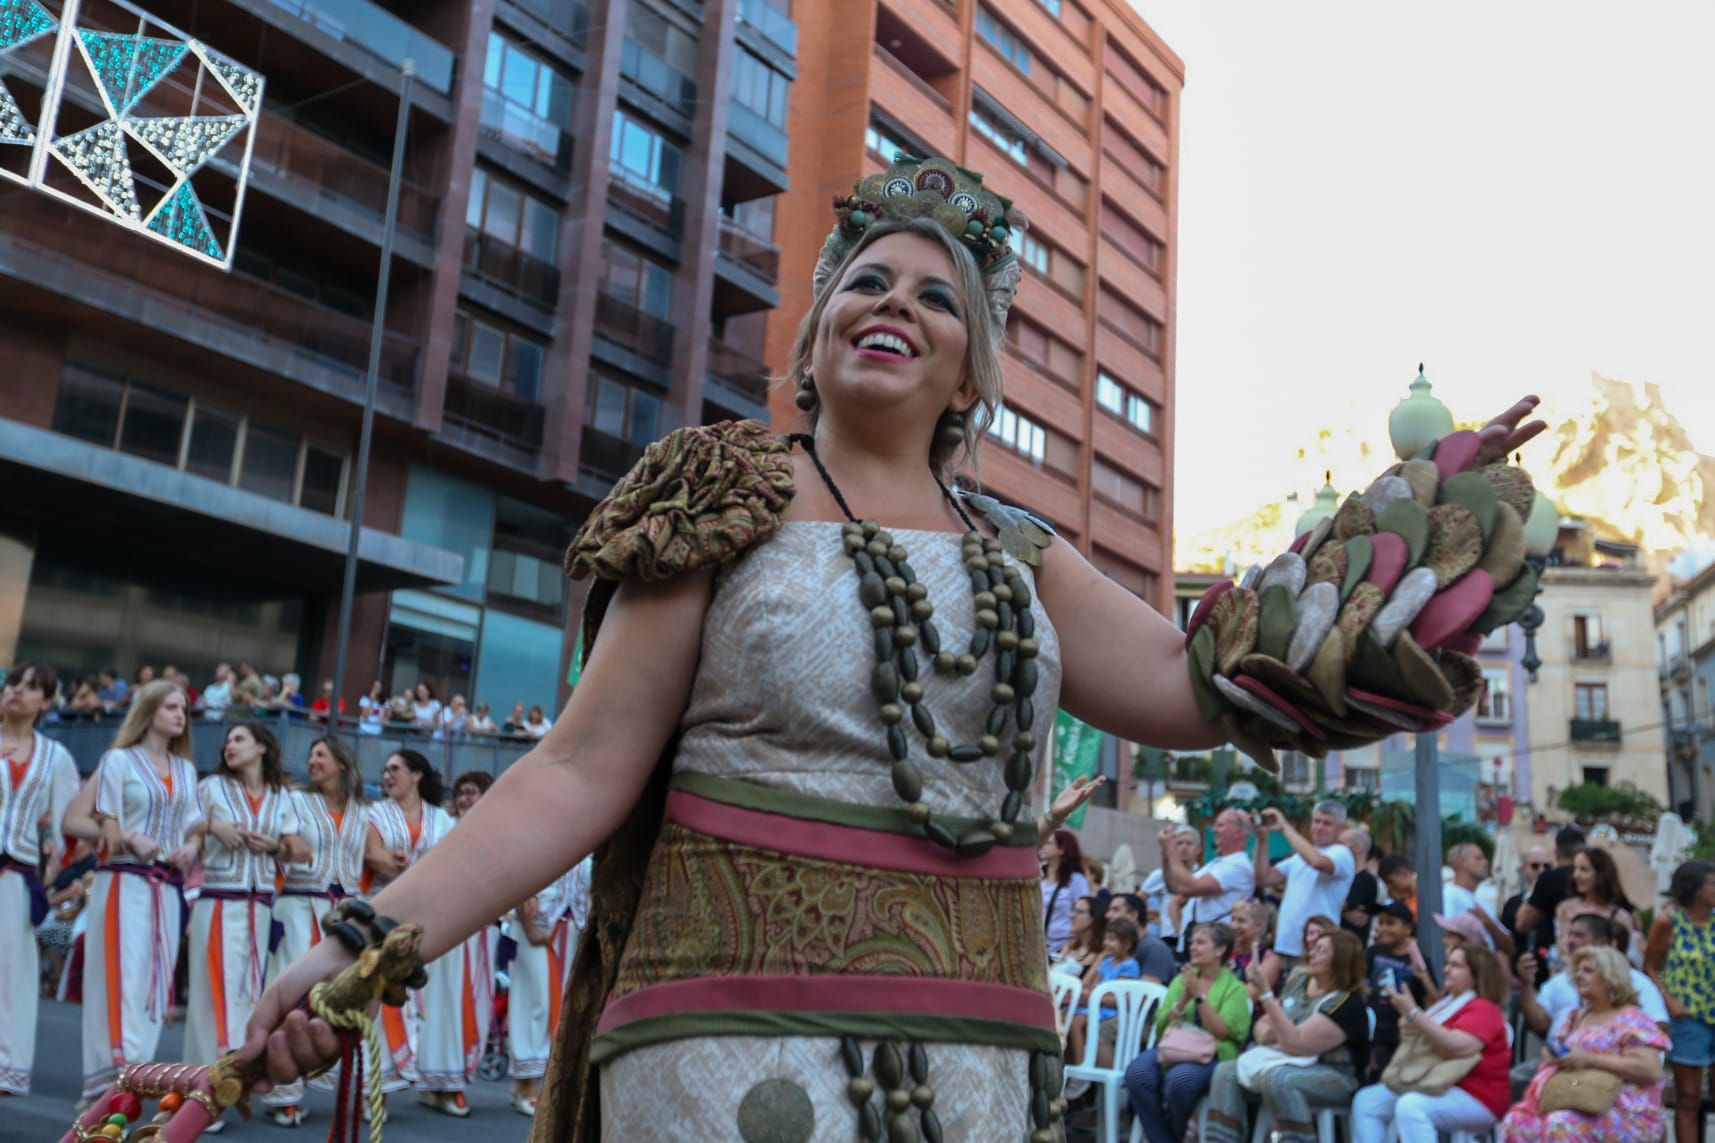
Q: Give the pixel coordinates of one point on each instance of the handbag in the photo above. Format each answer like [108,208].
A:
[1254,1063]
[1588,1091]
[1418,1067]
[1185,1044]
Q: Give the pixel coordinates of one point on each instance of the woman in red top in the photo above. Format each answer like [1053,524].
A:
[1466,1023]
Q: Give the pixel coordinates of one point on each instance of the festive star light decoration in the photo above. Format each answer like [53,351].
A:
[124,67]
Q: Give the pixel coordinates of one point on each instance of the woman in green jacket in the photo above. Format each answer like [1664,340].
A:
[1204,995]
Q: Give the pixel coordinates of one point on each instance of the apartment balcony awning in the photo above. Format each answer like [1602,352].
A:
[52,479]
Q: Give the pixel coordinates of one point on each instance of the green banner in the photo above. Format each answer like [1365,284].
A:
[1077,752]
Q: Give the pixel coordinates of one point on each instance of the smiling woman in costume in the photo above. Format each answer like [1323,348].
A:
[819,915]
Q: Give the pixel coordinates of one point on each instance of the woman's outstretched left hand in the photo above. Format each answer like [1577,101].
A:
[1507,433]
[1081,790]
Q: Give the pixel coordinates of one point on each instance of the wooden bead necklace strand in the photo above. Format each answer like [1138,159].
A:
[902,616]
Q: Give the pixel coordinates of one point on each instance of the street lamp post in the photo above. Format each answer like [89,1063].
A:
[1415,423]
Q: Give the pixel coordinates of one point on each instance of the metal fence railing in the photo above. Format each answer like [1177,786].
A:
[88,739]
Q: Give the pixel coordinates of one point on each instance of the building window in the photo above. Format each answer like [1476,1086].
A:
[1020,434]
[526,104]
[513,216]
[637,281]
[645,160]
[1003,40]
[1009,141]
[1495,705]
[881,142]
[164,427]
[1125,492]
[759,87]
[1052,7]
[1056,359]
[1134,158]
[1363,778]
[1144,248]
[1590,702]
[1587,641]
[1595,775]
[660,57]
[1130,322]
[1140,582]
[1136,82]
[624,411]
[495,357]
[1033,254]
[1131,407]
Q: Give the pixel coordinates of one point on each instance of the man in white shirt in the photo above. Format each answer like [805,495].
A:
[1315,879]
[217,696]
[1544,1008]
[1214,887]
[1470,867]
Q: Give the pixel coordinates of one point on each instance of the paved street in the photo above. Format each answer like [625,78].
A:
[47,1112]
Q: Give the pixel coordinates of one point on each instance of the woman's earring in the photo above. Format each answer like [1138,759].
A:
[952,431]
[806,396]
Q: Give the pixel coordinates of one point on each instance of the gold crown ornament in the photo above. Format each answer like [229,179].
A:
[954,198]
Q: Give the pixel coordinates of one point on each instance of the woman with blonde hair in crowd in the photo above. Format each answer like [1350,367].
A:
[1607,1035]
[1253,940]
[146,805]
[248,822]
[322,867]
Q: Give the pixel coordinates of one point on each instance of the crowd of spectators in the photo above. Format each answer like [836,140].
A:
[245,691]
[1296,986]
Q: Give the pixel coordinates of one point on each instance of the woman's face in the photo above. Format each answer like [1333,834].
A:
[241,748]
[1049,850]
[1459,975]
[893,332]
[1204,952]
[323,767]
[398,779]
[1312,933]
[170,716]
[422,692]
[465,796]
[1080,918]
[1592,988]
[1321,957]
[23,696]
[1583,874]
[1244,926]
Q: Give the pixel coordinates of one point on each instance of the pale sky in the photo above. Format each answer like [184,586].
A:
[1515,193]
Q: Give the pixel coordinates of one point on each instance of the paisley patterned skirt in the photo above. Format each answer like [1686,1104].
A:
[792,972]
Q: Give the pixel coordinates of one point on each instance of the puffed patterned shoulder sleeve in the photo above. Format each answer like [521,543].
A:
[700,497]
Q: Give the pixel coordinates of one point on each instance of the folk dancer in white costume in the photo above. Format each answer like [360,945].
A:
[248,820]
[476,992]
[146,804]
[40,780]
[324,867]
[423,1038]
[547,928]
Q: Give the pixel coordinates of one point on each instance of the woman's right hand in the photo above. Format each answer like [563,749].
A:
[1675,1009]
[288,1040]
[227,833]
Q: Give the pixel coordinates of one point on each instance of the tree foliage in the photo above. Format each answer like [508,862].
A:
[1624,804]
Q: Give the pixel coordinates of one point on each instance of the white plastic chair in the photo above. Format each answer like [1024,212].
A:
[1135,1003]
[1064,987]
[1326,1117]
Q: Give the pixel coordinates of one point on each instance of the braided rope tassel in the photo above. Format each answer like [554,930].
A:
[357,1021]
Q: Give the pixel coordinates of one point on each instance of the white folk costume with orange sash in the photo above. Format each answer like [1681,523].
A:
[424,1038]
[136,915]
[33,787]
[539,973]
[309,889]
[232,917]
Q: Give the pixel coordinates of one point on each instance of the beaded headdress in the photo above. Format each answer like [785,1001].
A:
[982,221]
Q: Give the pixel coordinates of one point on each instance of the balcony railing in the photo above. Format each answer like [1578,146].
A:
[776,26]
[1594,652]
[511,269]
[566,16]
[630,328]
[741,372]
[646,201]
[252,310]
[657,77]
[380,33]
[904,71]
[756,132]
[525,132]
[324,169]
[1595,730]
[606,455]
[493,413]
[754,251]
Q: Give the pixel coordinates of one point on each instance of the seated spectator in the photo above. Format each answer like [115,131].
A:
[480,722]
[86,698]
[514,726]
[1393,964]
[1253,940]
[110,690]
[468,788]
[1154,958]
[1083,948]
[1467,1024]
[1321,1014]
[1545,1007]
[537,724]
[323,706]
[1205,996]
[1399,879]
[1117,963]
[1606,1033]
[1314,929]
[1681,957]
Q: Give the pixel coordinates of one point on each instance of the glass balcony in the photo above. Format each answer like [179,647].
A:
[759,254]
[606,455]
[565,16]
[493,414]
[752,129]
[649,202]
[739,371]
[322,168]
[380,33]
[655,76]
[508,268]
[623,324]
[776,26]
[1595,730]
[524,131]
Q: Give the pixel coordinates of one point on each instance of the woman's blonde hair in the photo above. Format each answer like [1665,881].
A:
[1612,967]
[1263,913]
[985,337]
[141,716]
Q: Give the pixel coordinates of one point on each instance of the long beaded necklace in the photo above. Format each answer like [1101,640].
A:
[901,616]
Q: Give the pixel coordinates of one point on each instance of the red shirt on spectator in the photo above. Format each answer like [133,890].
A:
[1488,1082]
[320,706]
